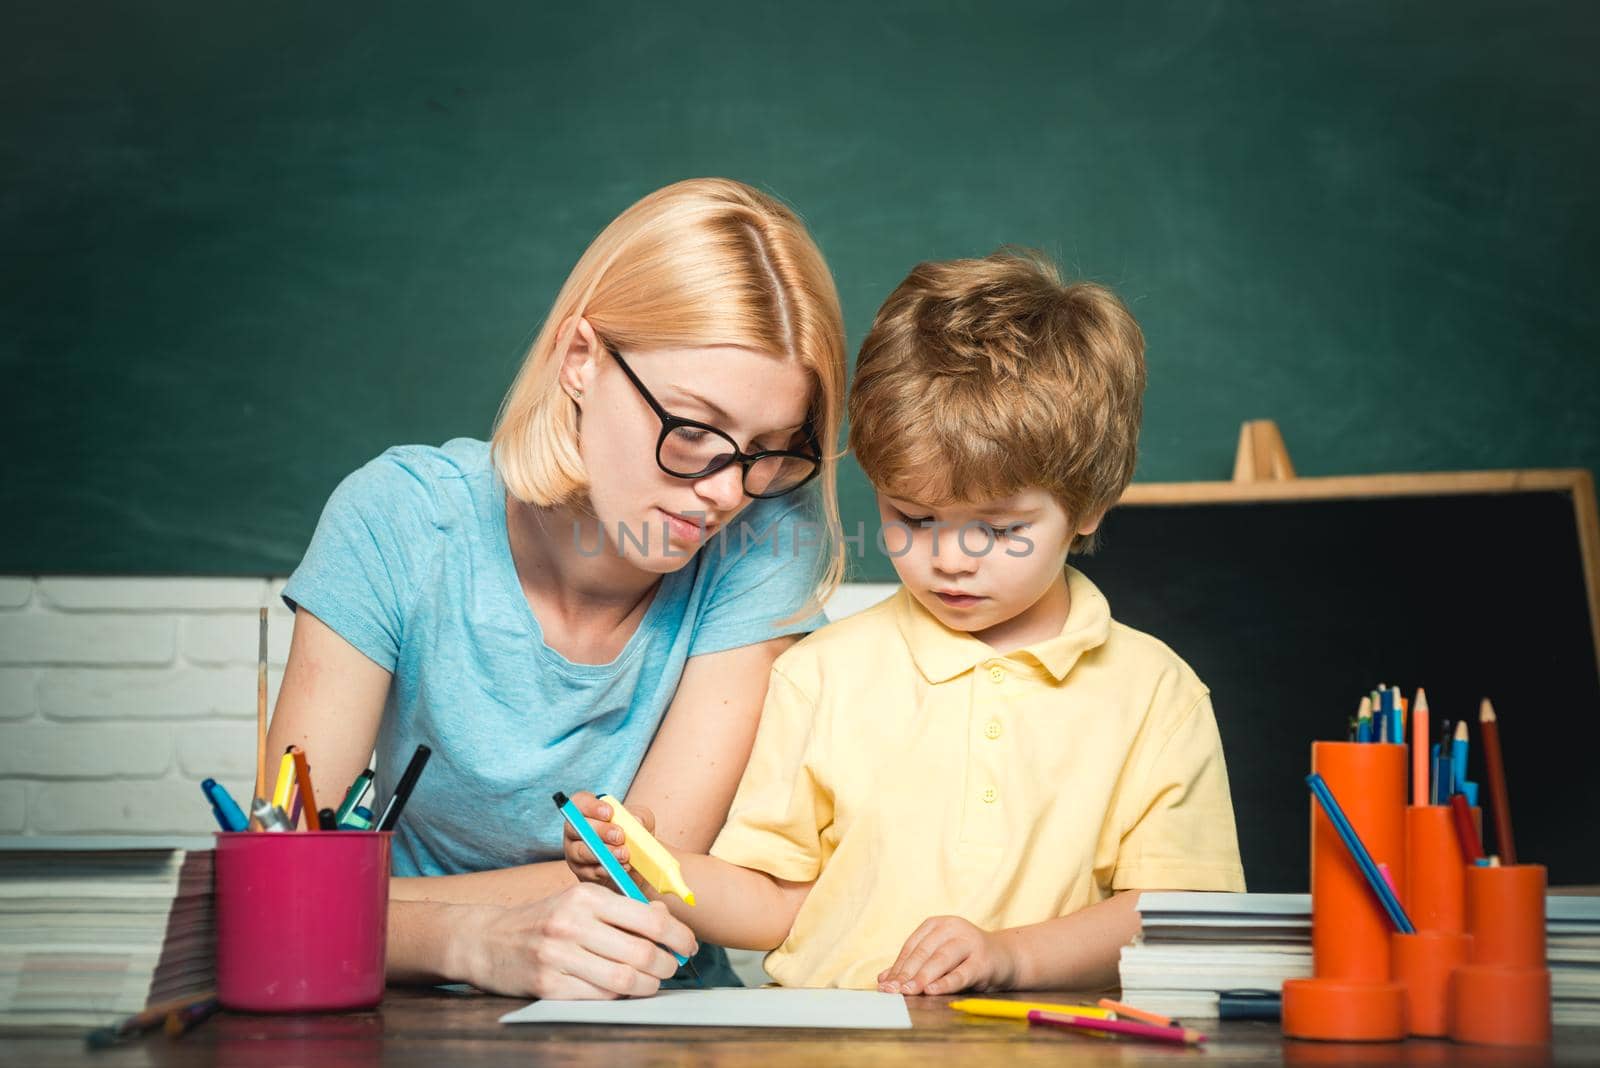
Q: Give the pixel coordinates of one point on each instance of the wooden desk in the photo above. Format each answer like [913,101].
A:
[429,1028]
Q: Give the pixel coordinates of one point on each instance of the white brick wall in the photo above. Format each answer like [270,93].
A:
[118,695]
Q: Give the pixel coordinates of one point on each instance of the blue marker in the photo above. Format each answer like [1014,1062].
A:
[617,873]
[229,817]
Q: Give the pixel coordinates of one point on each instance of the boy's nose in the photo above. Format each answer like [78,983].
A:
[948,556]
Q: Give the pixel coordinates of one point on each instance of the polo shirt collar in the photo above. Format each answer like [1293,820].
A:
[941,654]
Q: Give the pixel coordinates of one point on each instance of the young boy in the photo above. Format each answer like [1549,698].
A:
[967,785]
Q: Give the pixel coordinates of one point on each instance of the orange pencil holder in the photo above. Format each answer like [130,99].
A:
[1435,886]
[1434,893]
[1501,995]
[1351,997]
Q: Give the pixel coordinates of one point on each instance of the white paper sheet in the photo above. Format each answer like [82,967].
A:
[768,1007]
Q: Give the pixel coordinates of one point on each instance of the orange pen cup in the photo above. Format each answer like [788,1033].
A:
[1502,995]
[1435,886]
[1352,997]
[1423,964]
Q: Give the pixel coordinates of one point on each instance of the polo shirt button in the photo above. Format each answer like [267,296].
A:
[996,675]
[992,730]
[990,795]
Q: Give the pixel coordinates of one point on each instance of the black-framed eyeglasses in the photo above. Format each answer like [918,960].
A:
[691,449]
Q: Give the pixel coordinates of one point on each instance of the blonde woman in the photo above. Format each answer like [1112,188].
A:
[591,600]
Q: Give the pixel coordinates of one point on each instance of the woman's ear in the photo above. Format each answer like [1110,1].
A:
[580,357]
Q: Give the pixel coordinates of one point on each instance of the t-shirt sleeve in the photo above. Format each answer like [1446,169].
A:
[1179,815]
[782,806]
[362,570]
[764,569]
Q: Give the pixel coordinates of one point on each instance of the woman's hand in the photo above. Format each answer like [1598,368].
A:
[583,863]
[947,954]
[584,943]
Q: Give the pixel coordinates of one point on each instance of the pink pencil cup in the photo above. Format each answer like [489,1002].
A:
[302,918]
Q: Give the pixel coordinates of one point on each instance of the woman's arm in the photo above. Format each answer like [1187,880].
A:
[502,931]
[689,776]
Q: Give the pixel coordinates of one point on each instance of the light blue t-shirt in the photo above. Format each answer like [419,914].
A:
[411,564]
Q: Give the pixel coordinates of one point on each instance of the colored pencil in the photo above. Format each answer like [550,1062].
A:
[306,799]
[1151,1018]
[143,1021]
[1183,1036]
[1364,720]
[1458,759]
[1489,727]
[1466,833]
[1358,851]
[180,1022]
[1419,750]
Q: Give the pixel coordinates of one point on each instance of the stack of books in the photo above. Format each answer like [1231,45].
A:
[1192,946]
[88,937]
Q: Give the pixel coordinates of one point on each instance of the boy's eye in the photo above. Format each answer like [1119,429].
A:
[1000,532]
[914,520]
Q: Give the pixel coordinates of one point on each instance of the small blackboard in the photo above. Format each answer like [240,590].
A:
[1293,598]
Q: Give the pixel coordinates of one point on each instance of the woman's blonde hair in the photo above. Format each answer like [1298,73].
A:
[984,377]
[702,262]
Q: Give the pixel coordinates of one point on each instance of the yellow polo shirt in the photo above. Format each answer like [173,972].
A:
[913,772]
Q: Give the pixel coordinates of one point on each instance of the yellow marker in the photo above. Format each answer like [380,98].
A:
[280,794]
[1018,1010]
[649,857]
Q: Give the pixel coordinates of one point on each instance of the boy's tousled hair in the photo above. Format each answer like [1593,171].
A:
[983,377]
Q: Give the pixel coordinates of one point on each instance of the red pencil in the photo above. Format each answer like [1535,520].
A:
[1471,848]
[1489,731]
[1183,1036]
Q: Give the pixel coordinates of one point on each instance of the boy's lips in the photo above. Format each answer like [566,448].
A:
[958,600]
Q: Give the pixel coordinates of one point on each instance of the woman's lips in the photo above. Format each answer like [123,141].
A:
[683,529]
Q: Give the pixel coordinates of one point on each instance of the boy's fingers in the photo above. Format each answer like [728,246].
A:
[896,970]
[912,965]
[938,964]
[958,979]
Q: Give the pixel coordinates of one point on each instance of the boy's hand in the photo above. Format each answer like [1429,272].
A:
[583,863]
[947,954]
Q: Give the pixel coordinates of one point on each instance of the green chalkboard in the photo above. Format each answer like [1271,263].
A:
[248,246]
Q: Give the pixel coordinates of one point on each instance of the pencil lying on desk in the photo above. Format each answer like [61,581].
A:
[1185,1036]
[1151,1018]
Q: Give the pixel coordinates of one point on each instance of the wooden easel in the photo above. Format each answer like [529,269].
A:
[1261,456]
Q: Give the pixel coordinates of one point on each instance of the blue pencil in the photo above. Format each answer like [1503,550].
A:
[1363,859]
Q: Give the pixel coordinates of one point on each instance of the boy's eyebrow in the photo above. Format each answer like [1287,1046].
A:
[1008,507]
